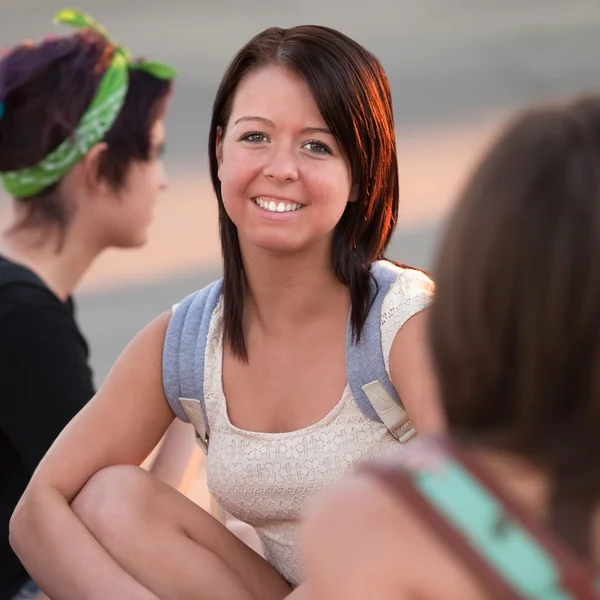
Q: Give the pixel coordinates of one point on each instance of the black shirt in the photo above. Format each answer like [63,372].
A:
[45,380]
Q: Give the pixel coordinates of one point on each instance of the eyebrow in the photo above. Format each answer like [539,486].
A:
[261,119]
[317,130]
[270,123]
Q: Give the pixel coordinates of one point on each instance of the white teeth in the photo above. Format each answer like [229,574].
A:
[272,206]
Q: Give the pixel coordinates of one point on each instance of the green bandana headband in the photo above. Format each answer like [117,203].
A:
[95,122]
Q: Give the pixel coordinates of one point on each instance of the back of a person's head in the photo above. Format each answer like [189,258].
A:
[515,326]
[46,88]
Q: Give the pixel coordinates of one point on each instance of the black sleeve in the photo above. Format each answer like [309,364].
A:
[46,378]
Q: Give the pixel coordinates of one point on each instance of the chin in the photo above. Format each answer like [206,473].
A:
[139,242]
[279,245]
[132,242]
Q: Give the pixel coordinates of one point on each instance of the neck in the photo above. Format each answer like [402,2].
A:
[39,249]
[285,291]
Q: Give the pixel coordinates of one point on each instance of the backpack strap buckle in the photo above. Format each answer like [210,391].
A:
[392,415]
[193,410]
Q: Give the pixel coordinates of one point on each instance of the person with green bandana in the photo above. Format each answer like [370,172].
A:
[81,136]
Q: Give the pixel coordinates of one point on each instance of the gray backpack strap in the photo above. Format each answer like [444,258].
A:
[183,358]
[371,386]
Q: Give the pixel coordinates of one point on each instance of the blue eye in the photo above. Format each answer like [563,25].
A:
[318,147]
[254,137]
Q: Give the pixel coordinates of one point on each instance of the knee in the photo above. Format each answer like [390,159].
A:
[113,501]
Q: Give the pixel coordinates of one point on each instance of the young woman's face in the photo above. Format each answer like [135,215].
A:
[133,212]
[284,180]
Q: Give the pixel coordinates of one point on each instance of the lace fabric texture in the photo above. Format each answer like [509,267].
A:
[269,480]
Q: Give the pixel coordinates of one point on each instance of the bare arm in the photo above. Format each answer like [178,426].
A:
[412,373]
[120,425]
[178,457]
[300,593]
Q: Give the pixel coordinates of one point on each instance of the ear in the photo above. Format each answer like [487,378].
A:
[353,193]
[91,168]
[219,150]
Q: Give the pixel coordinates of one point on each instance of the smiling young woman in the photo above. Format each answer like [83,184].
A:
[303,164]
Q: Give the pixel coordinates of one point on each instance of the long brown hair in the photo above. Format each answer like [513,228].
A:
[352,92]
[515,326]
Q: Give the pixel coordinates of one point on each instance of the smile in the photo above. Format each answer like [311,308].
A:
[276,207]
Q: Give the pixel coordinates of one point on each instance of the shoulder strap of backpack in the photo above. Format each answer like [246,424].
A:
[371,386]
[578,577]
[511,555]
[183,358]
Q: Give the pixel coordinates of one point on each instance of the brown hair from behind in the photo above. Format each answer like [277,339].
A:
[515,325]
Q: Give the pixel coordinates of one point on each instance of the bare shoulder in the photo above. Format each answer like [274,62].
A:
[413,374]
[362,541]
[145,350]
[354,541]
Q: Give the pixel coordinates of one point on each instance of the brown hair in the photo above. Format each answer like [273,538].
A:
[515,326]
[46,88]
[352,92]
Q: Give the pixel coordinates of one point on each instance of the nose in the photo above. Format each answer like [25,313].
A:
[163,178]
[281,165]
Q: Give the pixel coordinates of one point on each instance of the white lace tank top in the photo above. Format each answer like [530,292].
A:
[269,480]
